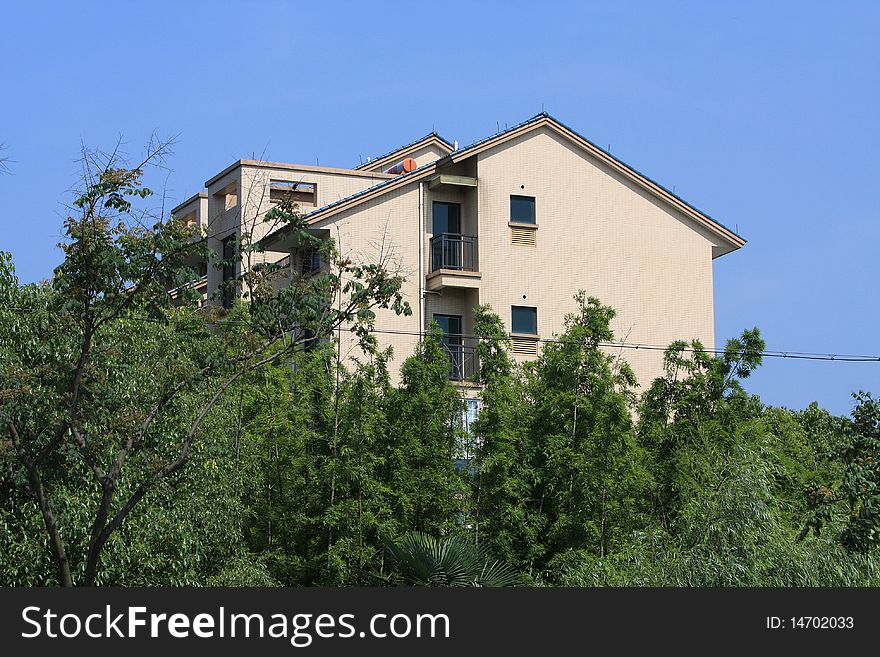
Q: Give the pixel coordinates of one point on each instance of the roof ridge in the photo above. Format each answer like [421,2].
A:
[433,133]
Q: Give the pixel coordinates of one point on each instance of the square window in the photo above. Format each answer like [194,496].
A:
[522,209]
[524,320]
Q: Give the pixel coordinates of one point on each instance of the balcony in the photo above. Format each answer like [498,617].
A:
[462,359]
[453,262]
[454,252]
[200,285]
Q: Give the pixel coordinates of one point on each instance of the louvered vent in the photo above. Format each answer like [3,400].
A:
[524,346]
[522,236]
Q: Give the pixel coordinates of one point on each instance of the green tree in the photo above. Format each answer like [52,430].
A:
[851,508]
[700,401]
[805,449]
[424,420]
[359,509]
[861,478]
[191,525]
[79,384]
[506,515]
[590,474]
[287,410]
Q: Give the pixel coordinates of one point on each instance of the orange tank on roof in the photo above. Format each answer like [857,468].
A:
[404,166]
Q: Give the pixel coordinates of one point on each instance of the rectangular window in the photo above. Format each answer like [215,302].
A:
[311,261]
[524,320]
[465,441]
[300,193]
[451,327]
[453,344]
[522,209]
[446,218]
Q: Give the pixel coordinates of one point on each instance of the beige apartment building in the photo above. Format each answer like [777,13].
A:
[520,220]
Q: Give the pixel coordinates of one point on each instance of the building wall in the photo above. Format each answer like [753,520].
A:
[195,208]
[427,154]
[596,232]
[252,184]
[221,223]
[332,184]
[387,229]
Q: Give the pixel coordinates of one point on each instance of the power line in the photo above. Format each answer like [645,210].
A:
[795,355]
[767,353]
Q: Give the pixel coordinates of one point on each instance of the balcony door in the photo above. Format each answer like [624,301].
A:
[452,343]
[447,218]
[446,245]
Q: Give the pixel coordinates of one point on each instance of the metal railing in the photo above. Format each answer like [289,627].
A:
[463,364]
[454,251]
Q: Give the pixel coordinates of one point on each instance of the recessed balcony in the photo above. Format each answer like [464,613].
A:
[463,363]
[453,262]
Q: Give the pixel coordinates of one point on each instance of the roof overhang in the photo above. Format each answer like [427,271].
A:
[282,241]
[444,180]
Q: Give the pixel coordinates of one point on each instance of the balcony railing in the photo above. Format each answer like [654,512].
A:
[454,251]
[462,360]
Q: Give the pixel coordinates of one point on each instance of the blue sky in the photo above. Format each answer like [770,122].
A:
[763,115]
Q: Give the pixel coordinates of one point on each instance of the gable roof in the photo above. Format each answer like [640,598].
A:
[540,120]
[390,158]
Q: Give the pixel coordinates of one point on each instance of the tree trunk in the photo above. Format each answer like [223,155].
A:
[59,552]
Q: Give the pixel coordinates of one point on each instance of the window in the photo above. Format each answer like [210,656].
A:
[228,285]
[465,441]
[524,320]
[300,193]
[311,261]
[452,343]
[522,209]
[447,218]
[308,340]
